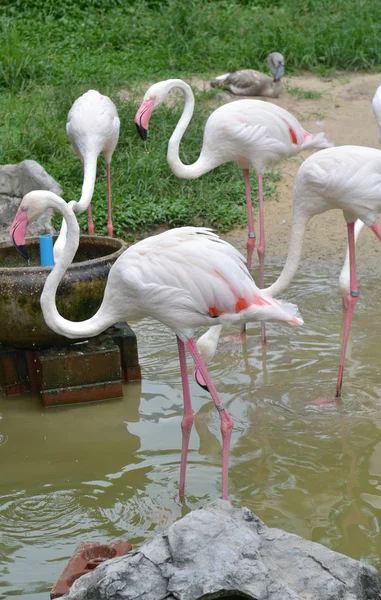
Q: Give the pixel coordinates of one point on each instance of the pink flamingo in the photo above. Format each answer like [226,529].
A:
[346,178]
[254,133]
[185,278]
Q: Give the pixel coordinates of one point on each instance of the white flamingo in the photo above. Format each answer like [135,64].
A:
[254,133]
[346,178]
[344,280]
[248,82]
[92,127]
[184,278]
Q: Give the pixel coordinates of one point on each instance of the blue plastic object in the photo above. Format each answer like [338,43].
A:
[46,250]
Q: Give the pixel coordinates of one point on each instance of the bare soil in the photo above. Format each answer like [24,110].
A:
[344,113]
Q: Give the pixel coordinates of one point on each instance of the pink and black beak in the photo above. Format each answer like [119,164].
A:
[142,117]
[18,231]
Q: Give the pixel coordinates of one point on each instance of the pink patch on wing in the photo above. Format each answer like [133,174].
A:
[260,301]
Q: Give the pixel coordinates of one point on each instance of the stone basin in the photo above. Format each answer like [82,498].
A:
[79,294]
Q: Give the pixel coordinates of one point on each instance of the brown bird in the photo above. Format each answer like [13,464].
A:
[248,82]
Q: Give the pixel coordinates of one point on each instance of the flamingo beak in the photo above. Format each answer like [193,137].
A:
[18,231]
[142,117]
[199,378]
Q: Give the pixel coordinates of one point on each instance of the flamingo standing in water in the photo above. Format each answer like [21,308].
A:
[346,178]
[254,133]
[184,278]
[92,127]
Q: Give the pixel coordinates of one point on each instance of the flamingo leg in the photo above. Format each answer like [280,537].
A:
[250,219]
[226,420]
[188,418]
[351,301]
[90,222]
[110,230]
[262,245]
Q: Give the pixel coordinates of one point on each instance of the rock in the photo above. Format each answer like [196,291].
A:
[220,549]
[16,181]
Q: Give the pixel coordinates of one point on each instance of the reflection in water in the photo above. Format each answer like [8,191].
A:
[111,470]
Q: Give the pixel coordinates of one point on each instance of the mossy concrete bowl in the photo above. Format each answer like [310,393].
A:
[79,294]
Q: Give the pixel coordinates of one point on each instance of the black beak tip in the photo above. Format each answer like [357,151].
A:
[22,250]
[141,131]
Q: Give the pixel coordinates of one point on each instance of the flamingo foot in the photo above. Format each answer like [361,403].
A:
[327,402]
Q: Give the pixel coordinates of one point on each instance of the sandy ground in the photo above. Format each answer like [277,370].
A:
[344,113]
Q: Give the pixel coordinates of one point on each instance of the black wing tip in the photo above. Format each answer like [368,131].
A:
[141,131]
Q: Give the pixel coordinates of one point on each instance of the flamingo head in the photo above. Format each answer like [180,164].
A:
[152,98]
[275,63]
[32,206]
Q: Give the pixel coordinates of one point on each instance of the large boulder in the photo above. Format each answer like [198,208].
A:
[16,181]
[220,551]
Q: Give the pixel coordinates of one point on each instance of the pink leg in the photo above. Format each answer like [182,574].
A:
[251,235]
[376,230]
[262,245]
[188,418]
[226,420]
[90,223]
[351,304]
[110,230]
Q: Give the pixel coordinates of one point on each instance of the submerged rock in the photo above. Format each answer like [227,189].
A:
[16,181]
[220,551]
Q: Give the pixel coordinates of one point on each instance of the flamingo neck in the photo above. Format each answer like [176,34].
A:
[199,167]
[299,224]
[90,327]
[89,176]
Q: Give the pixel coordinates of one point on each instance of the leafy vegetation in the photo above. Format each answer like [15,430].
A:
[51,52]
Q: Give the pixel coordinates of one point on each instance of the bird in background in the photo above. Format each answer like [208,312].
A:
[184,278]
[254,133]
[248,82]
[92,127]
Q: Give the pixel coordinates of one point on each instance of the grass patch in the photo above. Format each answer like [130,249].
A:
[302,93]
[52,52]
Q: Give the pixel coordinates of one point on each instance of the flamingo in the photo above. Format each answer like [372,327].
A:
[346,178]
[254,133]
[249,82]
[184,278]
[344,280]
[92,127]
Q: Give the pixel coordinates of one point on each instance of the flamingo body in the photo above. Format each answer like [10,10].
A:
[184,278]
[93,126]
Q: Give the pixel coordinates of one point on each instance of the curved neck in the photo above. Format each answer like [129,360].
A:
[71,329]
[89,175]
[180,170]
[298,228]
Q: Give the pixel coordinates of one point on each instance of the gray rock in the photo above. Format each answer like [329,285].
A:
[16,181]
[219,550]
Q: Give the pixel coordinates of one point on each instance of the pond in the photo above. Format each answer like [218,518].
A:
[110,470]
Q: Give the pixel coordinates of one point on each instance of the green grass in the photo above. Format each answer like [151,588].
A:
[52,52]
[302,93]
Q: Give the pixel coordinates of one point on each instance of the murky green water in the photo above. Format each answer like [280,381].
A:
[111,470]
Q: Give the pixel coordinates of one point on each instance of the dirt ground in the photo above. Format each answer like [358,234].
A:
[344,113]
